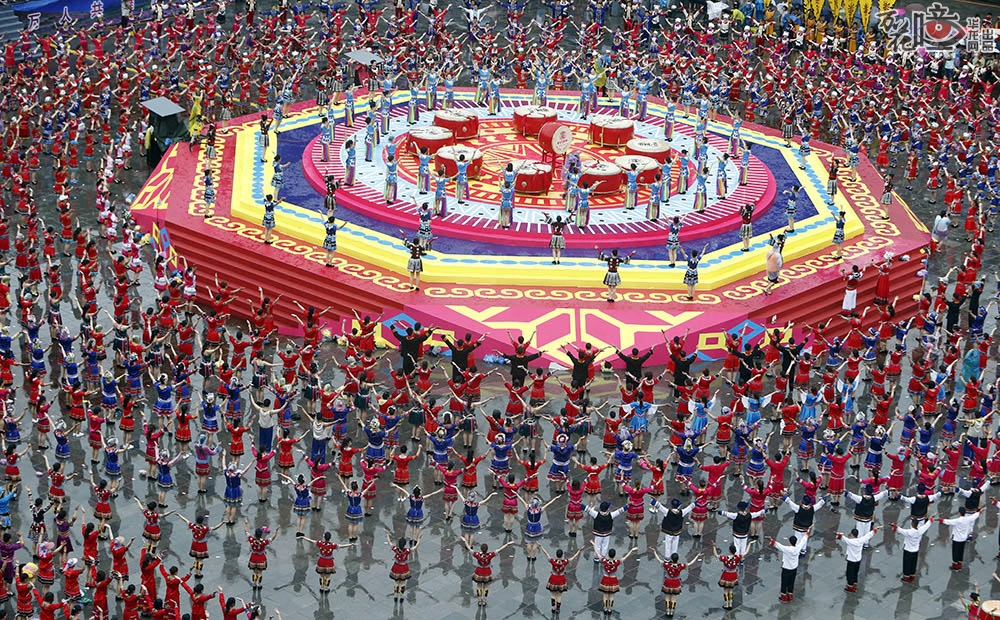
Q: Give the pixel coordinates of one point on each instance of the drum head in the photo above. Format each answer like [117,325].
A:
[611,122]
[452,152]
[535,111]
[641,162]
[431,132]
[453,115]
[646,145]
[531,167]
[562,140]
[991,607]
[599,168]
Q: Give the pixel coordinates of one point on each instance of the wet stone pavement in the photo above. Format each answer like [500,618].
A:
[441,585]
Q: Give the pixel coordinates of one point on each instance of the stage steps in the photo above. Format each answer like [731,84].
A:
[278,273]
[826,303]
[269,269]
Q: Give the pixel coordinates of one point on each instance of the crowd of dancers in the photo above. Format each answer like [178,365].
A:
[187,386]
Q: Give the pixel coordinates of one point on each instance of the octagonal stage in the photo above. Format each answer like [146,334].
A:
[483,279]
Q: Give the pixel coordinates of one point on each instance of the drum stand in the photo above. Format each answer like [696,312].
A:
[552,159]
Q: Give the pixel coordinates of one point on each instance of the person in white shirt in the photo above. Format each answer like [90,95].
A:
[603,521]
[672,524]
[939,230]
[961,528]
[853,547]
[911,546]
[742,519]
[864,508]
[789,565]
[920,501]
[805,513]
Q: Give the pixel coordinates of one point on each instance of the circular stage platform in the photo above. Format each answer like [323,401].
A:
[501,143]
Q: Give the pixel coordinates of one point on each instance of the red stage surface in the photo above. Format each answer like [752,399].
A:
[560,304]
[500,143]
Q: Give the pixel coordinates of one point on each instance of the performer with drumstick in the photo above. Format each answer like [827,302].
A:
[424,171]
[670,117]
[325,137]
[350,163]
[701,189]
[683,178]
[462,179]
[721,176]
[570,180]
[493,96]
[431,80]
[413,105]
[440,193]
[506,217]
[653,206]
[631,186]
[745,165]
[371,134]
[974,604]
[612,279]
[391,178]
[583,203]
[557,243]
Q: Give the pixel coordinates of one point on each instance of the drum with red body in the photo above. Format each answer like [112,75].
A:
[448,155]
[431,137]
[610,176]
[989,610]
[529,119]
[608,130]
[533,177]
[463,125]
[555,138]
[648,147]
[647,166]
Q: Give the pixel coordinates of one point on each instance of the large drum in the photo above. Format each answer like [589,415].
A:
[529,119]
[608,130]
[533,177]
[447,157]
[555,138]
[989,610]
[463,125]
[431,137]
[610,176]
[657,149]
[647,166]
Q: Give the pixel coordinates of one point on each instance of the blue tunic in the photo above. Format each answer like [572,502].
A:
[415,515]
[470,519]
[302,500]
[234,490]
